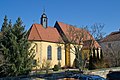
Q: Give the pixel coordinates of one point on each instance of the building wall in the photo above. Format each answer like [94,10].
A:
[41,53]
[111,51]
[86,52]
[72,54]
[109,47]
[67,55]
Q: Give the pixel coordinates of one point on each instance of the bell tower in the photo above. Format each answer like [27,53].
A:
[44,20]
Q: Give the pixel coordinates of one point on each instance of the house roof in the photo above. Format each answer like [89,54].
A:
[114,36]
[86,38]
[66,29]
[38,32]
[88,43]
[51,34]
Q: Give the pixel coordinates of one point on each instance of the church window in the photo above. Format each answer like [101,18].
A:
[59,53]
[44,20]
[49,52]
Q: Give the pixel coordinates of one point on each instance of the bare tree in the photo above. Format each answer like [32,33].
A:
[75,38]
[96,30]
[78,38]
[112,53]
[96,35]
[46,64]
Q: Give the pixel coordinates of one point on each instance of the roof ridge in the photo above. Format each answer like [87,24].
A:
[114,33]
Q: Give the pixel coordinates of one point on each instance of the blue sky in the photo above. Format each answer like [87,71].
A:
[74,12]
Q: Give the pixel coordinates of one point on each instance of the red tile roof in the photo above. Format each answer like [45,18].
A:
[114,36]
[87,36]
[65,28]
[38,32]
[88,43]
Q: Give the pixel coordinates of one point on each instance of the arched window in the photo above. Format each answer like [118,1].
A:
[49,52]
[59,53]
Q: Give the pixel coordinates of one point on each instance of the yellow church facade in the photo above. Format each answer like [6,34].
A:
[41,49]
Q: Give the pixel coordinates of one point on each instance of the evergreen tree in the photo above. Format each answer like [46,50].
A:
[91,63]
[17,52]
[5,24]
[101,55]
[10,24]
[92,60]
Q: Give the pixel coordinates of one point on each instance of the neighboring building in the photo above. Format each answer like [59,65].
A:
[111,48]
[111,42]
[49,43]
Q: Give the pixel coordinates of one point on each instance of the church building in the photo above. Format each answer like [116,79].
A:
[50,43]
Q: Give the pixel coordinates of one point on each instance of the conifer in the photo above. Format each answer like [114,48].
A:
[5,24]
[16,49]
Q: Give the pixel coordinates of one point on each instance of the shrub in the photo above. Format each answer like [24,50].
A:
[46,64]
[56,68]
[101,64]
